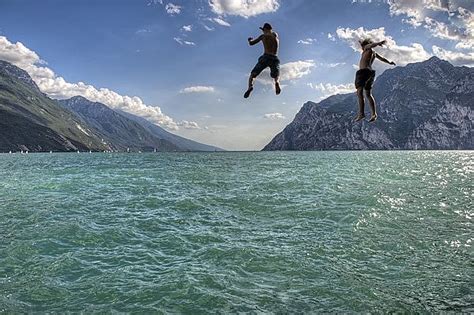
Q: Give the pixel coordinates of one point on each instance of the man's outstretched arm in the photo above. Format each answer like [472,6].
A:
[370,46]
[254,41]
[385,60]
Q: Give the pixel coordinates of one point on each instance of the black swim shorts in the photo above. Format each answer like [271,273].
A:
[265,61]
[365,78]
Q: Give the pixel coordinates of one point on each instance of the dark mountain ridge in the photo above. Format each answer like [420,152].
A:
[31,121]
[425,105]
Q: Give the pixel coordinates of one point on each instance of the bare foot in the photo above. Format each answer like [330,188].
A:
[359,117]
[373,118]
[247,93]
[277,88]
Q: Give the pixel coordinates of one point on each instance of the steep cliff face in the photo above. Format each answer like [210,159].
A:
[427,105]
[452,125]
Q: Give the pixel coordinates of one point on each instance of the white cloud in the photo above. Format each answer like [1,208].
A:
[181,41]
[187,28]
[274,116]
[417,10]
[173,9]
[307,41]
[457,19]
[290,71]
[57,87]
[455,57]
[189,124]
[220,21]
[335,64]
[442,30]
[17,53]
[208,28]
[244,8]
[295,70]
[143,31]
[331,37]
[392,51]
[328,89]
[198,89]
[155,2]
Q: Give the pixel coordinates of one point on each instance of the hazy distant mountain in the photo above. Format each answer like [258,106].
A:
[116,129]
[183,143]
[123,130]
[31,121]
[425,105]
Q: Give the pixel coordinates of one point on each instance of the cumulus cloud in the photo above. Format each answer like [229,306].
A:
[400,54]
[219,21]
[296,70]
[173,9]
[197,89]
[57,87]
[450,20]
[244,8]
[289,71]
[307,41]
[274,116]
[413,9]
[181,41]
[328,89]
[331,37]
[455,57]
[443,30]
[189,124]
[187,28]
[155,2]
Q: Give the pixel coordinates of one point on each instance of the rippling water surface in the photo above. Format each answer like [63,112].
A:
[237,232]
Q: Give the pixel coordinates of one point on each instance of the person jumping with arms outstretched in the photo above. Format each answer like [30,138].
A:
[268,59]
[365,77]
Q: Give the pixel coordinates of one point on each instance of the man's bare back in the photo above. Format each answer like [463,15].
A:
[270,43]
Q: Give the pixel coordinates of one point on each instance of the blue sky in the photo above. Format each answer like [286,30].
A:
[190,59]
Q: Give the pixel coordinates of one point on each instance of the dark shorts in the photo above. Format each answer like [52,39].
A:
[365,78]
[267,61]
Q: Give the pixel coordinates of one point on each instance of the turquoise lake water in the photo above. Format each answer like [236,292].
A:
[269,232]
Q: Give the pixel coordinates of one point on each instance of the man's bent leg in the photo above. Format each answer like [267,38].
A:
[251,80]
[250,87]
[277,86]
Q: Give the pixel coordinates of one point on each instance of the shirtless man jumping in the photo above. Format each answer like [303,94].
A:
[365,77]
[268,59]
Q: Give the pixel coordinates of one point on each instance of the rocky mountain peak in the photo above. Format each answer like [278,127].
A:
[425,105]
[9,69]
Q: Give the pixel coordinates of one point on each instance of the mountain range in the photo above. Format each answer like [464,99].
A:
[31,121]
[425,105]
